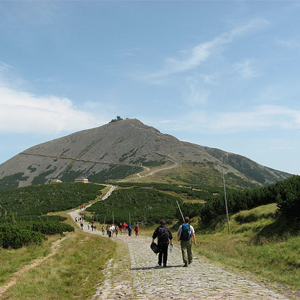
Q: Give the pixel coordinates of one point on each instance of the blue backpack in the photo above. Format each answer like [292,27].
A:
[186,233]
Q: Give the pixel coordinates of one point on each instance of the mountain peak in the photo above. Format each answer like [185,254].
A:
[129,148]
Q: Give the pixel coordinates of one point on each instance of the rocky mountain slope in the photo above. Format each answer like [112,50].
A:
[129,149]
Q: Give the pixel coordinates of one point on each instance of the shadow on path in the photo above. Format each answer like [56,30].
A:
[153,268]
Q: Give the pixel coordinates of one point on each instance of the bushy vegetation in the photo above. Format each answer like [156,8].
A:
[22,209]
[203,192]
[11,181]
[15,236]
[285,193]
[42,199]
[143,205]
[114,172]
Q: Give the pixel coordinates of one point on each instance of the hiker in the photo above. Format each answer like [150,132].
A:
[125,227]
[185,235]
[110,231]
[120,228]
[103,230]
[164,237]
[136,229]
[129,227]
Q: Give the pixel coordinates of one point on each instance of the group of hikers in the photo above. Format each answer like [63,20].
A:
[185,235]
[122,229]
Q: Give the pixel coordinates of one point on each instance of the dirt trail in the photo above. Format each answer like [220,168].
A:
[53,250]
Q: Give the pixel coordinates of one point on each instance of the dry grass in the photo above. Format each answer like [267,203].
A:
[72,272]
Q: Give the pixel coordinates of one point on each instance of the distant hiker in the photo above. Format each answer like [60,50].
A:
[81,225]
[116,230]
[185,235]
[164,237]
[89,226]
[129,227]
[125,227]
[103,230]
[120,228]
[136,229]
[110,231]
[93,227]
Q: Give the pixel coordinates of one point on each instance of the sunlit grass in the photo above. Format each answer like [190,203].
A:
[276,257]
[72,272]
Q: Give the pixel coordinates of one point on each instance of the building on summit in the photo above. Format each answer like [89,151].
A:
[82,179]
[55,181]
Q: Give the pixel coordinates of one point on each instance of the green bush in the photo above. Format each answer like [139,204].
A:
[12,236]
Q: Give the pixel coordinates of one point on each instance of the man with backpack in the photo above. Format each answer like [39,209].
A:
[185,235]
[164,237]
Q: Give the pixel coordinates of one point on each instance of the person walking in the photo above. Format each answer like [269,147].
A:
[185,235]
[136,229]
[164,238]
[129,227]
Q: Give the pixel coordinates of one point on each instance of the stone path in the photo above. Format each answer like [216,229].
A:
[141,279]
[138,278]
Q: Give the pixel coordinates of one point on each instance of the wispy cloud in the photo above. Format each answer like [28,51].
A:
[259,118]
[246,69]
[27,113]
[191,59]
[291,44]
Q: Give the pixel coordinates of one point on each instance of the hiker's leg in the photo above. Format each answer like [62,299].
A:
[165,254]
[189,251]
[160,257]
[184,251]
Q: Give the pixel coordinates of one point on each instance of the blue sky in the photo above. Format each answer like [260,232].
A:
[223,74]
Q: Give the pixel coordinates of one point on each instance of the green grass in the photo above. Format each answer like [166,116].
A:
[72,272]
[275,256]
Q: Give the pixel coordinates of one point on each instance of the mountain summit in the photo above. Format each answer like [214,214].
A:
[129,149]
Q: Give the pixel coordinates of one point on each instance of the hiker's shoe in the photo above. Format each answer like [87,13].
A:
[158,265]
[164,266]
[190,262]
[185,265]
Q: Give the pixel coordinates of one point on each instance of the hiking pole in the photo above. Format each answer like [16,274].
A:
[180,210]
[226,206]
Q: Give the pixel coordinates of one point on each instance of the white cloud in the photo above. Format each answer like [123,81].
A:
[27,113]
[246,69]
[196,94]
[259,118]
[202,52]
[289,44]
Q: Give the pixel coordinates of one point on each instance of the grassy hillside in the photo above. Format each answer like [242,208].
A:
[274,256]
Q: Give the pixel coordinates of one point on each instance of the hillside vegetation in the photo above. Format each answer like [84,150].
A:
[23,211]
[285,193]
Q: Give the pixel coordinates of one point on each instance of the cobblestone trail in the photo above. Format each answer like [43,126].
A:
[143,280]
[200,280]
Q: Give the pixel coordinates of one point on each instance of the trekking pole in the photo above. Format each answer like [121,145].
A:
[180,210]
[226,205]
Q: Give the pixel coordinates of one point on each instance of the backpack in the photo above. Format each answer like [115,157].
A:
[185,232]
[163,235]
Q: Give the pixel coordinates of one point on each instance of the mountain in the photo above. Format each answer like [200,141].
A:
[129,149]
